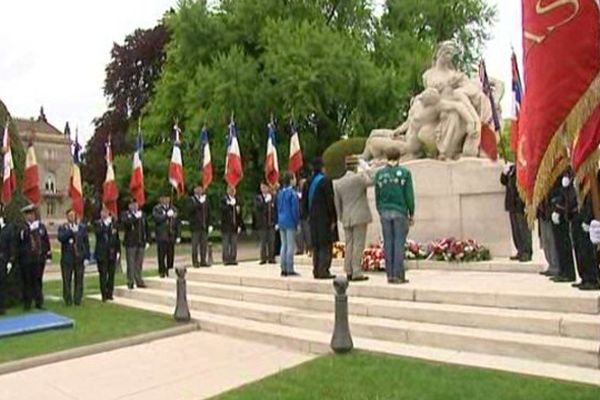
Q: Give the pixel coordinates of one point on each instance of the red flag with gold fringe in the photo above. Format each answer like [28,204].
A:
[562,81]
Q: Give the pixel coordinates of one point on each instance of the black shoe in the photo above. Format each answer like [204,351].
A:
[284,273]
[589,286]
[262,263]
[525,259]
[294,273]
[130,287]
[142,286]
[40,307]
[2,312]
[561,279]
[515,257]
[360,278]
[162,275]
[104,299]
[328,276]
[27,307]
[547,273]
[196,266]
[272,262]
[204,265]
[576,285]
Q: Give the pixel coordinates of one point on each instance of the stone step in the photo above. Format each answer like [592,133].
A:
[574,302]
[578,352]
[581,326]
[495,265]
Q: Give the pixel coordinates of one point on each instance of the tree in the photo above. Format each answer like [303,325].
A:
[468,22]
[130,77]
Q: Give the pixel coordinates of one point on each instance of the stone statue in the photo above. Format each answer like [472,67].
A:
[444,121]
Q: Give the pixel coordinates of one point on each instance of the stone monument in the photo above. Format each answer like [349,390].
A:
[458,193]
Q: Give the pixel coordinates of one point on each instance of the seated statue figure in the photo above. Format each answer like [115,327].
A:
[444,121]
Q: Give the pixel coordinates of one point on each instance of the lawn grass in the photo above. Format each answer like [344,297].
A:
[362,376]
[95,322]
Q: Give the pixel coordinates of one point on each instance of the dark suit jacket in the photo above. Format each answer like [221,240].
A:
[321,213]
[136,230]
[33,246]
[108,244]
[199,214]
[167,229]
[75,246]
[512,200]
[231,216]
[265,214]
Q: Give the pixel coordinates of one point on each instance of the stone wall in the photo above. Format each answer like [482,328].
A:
[462,199]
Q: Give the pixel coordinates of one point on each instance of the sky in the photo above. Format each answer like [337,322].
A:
[53,53]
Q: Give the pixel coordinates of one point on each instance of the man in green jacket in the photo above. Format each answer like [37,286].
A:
[395,201]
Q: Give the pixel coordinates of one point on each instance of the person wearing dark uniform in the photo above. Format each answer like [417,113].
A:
[108,249]
[303,234]
[515,207]
[8,253]
[75,251]
[563,200]
[265,213]
[547,242]
[168,230]
[231,225]
[318,203]
[136,240]
[200,226]
[585,251]
[33,250]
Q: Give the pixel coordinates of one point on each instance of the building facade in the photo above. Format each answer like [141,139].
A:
[53,154]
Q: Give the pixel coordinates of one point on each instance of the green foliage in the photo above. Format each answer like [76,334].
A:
[504,146]
[334,158]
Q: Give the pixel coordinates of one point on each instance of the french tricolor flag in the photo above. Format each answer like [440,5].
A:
[517,93]
[75,188]
[110,192]
[31,176]
[233,163]
[207,167]
[176,178]
[490,121]
[295,161]
[9,179]
[271,162]
[136,184]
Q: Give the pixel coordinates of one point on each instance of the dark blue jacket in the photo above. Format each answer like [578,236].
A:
[288,208]
[75,246]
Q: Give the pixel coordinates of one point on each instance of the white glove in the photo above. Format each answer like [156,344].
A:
[299,195]
[566,181]
[138,214]
[147,245]
[585,227]
[2,222]
[178,240]
[595,232]
[8,267]
[170,213]
[555,218]
[506,169]
[86,263]
[239,229]
[75,227]
[232,202]
[210,229]
[118,255]
[268,198]
[34,225]
[202,199]
[363,165]
[276,227]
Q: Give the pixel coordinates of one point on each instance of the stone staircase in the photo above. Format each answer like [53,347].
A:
[453,317]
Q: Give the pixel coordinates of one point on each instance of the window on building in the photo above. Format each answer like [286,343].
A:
[50,208]
[50,183]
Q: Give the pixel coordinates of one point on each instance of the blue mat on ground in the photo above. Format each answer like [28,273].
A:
[30,323]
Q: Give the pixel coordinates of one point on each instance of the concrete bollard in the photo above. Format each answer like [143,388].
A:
[182,311]
[341,342]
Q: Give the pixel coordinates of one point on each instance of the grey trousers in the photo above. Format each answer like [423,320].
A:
[549,246]
[521,234]
[229,247]
[267,244]
[199,240]
[355,246]
[135,262]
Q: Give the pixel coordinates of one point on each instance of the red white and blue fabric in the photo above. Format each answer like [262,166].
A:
[295,161]
[9,179]
[31,177]
[271,161]
[233,162]
[136,183]
[517,97]
[176,178]
[110,192]
[490,123]
[75,188]
[207,166]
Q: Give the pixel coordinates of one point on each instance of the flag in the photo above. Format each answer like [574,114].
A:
[295,161]
[31,176]
[517,143]
[233,162]
[490,123]
[562,81]
[207,167]
[176,178]
[9,179]
[75,188]
[110,192]
[271,161]
[136,183]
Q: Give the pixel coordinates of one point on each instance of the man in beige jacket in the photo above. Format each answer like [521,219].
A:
[354,213]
